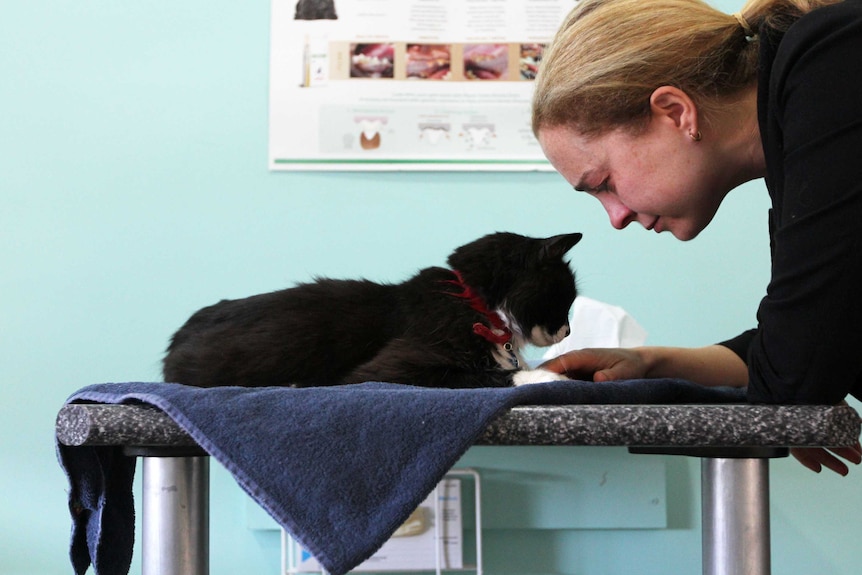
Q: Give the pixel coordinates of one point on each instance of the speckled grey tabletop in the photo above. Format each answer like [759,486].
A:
[623,425]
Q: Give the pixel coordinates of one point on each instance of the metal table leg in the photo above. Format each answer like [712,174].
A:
[175,519]
[735,501]
[735,505]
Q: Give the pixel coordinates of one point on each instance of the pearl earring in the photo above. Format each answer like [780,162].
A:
[695,137]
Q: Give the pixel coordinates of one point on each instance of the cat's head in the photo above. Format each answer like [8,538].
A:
[526,280]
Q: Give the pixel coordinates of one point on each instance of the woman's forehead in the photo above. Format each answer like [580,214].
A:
[576,157]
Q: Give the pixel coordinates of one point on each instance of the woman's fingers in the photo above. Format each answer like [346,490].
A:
[598,364]
[816,458]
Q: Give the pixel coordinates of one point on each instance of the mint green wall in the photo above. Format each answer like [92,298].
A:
[134,190]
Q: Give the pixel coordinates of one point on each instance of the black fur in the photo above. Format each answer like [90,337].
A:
[348,331]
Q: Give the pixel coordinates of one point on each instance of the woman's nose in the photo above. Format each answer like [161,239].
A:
[620,215]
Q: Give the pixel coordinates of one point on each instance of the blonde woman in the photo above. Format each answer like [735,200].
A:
[659,108]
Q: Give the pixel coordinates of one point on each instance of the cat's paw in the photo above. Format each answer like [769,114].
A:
[528,376]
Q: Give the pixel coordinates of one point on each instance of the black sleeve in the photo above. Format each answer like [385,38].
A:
[808,345]
[740,344]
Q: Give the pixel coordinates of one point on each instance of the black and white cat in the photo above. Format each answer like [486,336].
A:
[460,327]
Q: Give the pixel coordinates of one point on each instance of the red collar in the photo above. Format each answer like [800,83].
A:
[477,303]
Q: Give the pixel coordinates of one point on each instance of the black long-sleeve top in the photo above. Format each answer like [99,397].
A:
[807,347]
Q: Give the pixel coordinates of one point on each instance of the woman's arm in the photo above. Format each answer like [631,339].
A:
[710,366]
[805,350]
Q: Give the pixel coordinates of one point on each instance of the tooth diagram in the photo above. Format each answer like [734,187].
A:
[477,135]
[369,135]
[433,133]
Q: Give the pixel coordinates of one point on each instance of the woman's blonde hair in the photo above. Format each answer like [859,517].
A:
[610,55]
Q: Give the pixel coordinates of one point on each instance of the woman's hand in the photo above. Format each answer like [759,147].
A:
[815,458]
[598,364]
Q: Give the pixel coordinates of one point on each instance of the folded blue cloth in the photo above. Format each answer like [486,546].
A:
[340,468]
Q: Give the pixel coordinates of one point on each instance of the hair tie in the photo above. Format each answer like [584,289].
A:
[746,27]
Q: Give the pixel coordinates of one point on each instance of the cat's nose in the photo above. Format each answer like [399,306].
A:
[562,333]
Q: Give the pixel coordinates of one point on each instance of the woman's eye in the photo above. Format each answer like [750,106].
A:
[603,187]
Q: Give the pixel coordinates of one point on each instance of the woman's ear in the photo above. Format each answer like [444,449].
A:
[672,104]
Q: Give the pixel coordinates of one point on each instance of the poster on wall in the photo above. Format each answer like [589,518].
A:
[406,84]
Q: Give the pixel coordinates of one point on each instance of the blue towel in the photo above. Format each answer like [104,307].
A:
[340,468]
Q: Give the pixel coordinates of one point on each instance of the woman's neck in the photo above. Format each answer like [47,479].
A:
[739,130]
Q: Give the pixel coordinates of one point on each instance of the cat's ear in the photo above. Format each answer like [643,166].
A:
[556,247]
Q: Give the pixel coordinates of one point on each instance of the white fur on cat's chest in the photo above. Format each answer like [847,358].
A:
[509,358]
[529,376]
